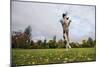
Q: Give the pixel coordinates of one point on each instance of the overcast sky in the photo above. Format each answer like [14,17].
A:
[44,20]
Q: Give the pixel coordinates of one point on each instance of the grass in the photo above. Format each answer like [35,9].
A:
[51,56]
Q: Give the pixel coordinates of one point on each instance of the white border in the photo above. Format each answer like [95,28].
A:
[5,33]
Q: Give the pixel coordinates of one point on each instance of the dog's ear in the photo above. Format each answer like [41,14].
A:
[70,21]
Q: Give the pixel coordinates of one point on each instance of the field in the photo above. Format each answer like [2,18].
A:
[51,56]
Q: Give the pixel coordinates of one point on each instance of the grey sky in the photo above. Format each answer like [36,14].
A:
[44,20]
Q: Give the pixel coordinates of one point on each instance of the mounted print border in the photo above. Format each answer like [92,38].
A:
[52,33]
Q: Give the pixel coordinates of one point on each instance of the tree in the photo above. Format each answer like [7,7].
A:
[94,42]
[74,44]
[28,32]
[32,45]
[90,42]
[44,44]
[54,42]
[19,40]
[39,44]
[60,44]
[84,43]
[50,43]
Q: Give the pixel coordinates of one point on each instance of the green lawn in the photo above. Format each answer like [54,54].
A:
[49,56]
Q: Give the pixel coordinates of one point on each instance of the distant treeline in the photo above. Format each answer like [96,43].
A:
[23,40]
